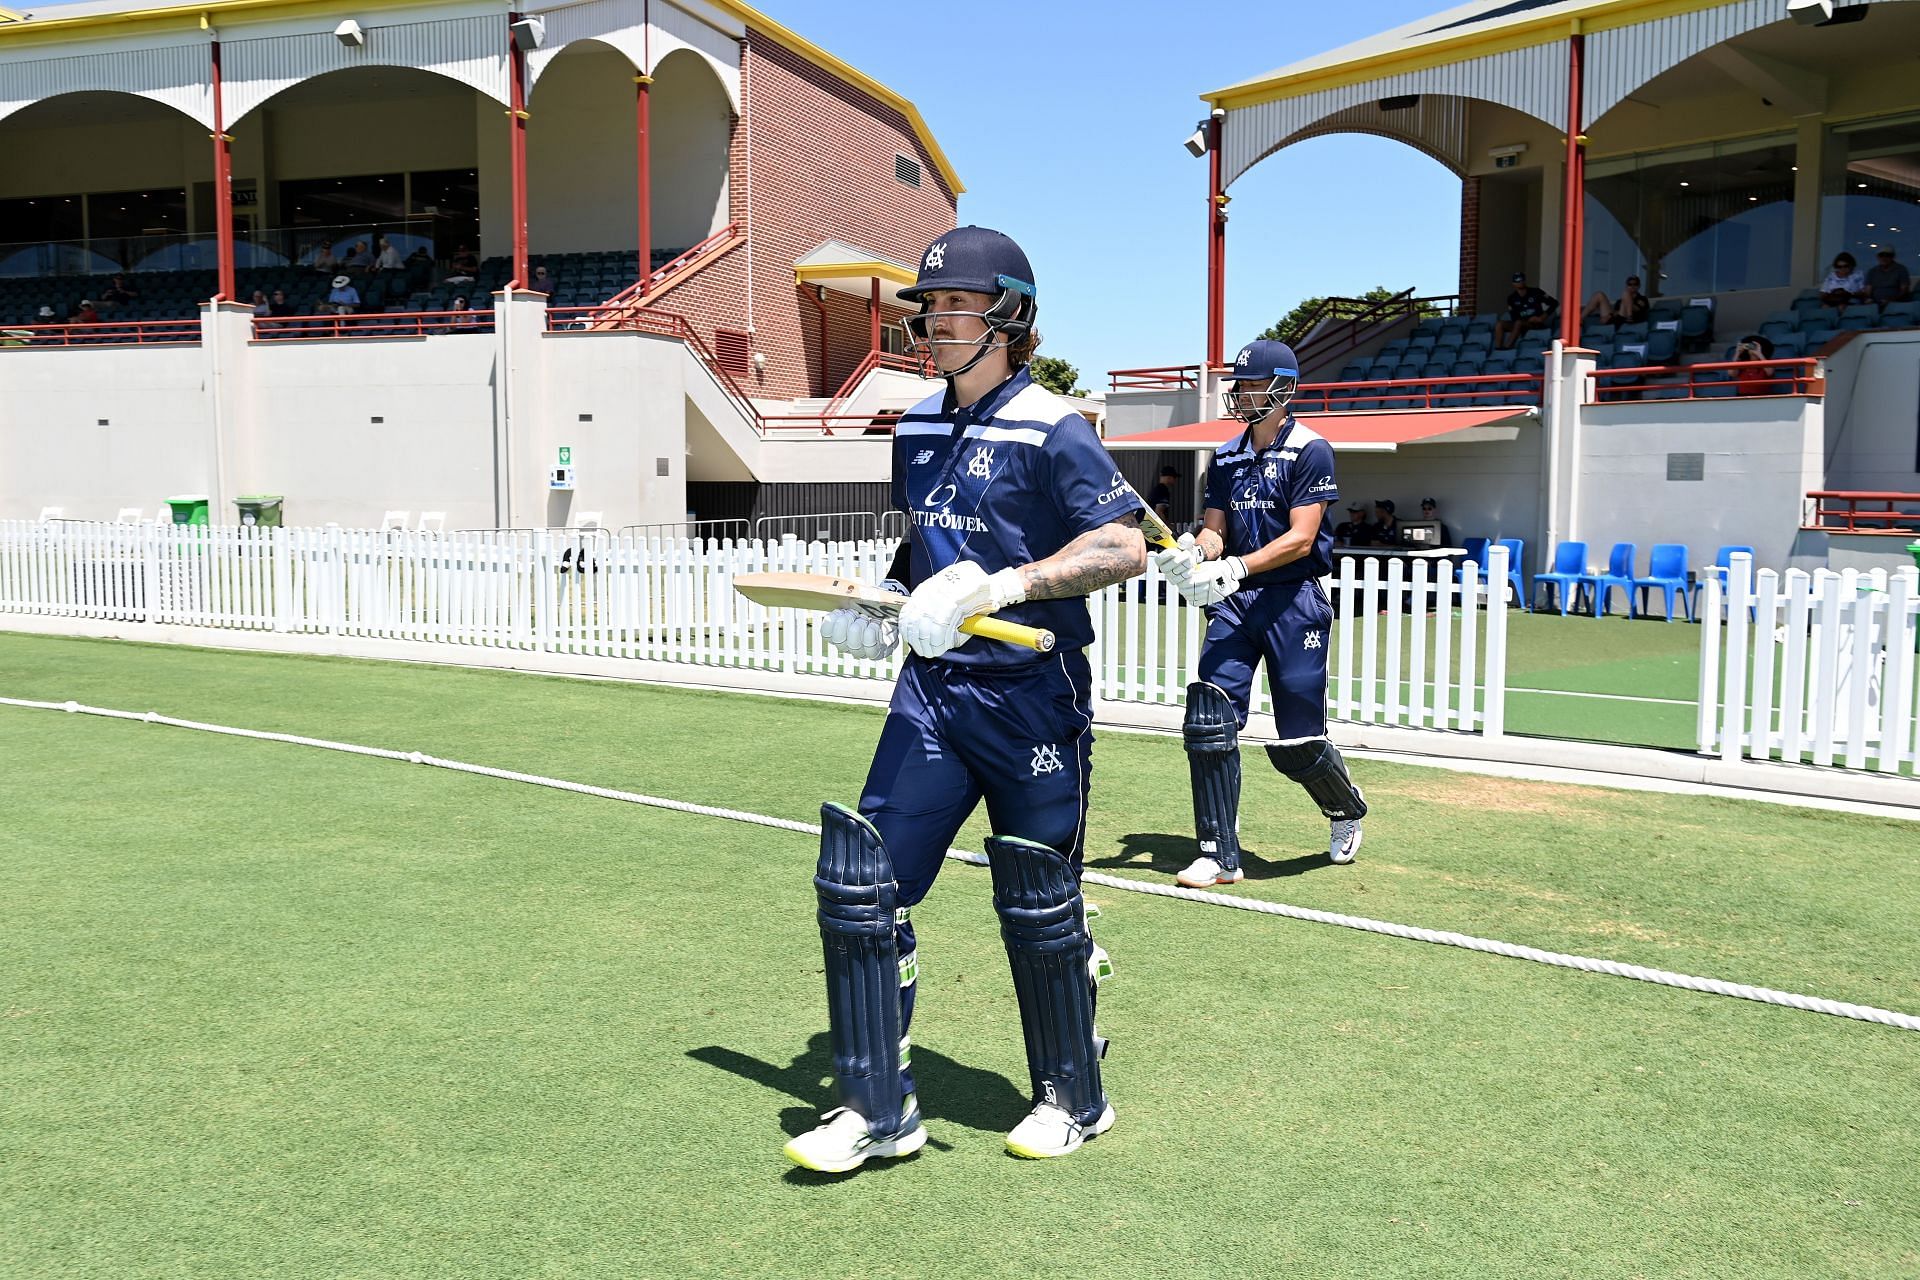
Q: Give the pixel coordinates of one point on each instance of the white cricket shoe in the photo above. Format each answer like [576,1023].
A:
[1345,842]
[1049,1131]
[842,1142]
[1202,872]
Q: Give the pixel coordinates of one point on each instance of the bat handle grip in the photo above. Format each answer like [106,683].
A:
[1035,638]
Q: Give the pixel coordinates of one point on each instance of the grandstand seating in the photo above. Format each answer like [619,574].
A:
[583,279]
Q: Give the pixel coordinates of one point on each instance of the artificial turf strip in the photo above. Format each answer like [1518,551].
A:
[271,1011]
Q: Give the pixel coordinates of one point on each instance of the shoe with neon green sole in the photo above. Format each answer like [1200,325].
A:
[1049,1131]
[841,1142]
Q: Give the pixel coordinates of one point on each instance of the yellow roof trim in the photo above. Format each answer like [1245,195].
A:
[1606,15]
[891,272]
[8,15]
[821,58]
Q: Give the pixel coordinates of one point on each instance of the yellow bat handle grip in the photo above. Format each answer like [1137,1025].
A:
[1035,638]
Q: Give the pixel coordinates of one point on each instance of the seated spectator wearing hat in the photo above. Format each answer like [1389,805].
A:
[1430,510]
[86,313]
[345,299]
[46,315]
[1887,280]
[1386,525]
[1631,309]
[541,282]
[1528,307]
[1753,378]
[1845,284]
[1160,497]
[1354,531]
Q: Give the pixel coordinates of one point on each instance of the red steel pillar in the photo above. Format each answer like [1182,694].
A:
[1574,214]
[222,185]
[1216,249]
[642,104]
[517,141]
[873,316]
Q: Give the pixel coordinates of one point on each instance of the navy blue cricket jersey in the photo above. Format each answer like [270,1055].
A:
[1259,489]
[1006,481]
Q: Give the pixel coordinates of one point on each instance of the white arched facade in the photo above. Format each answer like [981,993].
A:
[647,32]
[176,75]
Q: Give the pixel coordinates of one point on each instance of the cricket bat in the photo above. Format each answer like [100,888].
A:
[821,591]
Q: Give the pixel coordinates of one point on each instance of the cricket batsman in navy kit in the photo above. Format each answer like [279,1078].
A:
[1014,509]
[1256,565]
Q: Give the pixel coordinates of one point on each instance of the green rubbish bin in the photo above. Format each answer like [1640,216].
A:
[1913,549]
[260,508]
[189,508]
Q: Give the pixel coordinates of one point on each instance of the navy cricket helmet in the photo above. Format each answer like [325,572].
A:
[1261,359]
[976,260]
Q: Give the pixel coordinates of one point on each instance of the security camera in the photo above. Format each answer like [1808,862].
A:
[349,34]
[529,33]
[1197,144]
[1810,13]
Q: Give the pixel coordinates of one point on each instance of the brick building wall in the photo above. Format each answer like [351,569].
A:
[822,168]
[1470,245]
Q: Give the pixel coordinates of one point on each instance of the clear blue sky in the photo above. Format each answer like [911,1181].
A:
[1065,120]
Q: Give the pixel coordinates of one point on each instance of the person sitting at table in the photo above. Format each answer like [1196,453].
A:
[1354,531]
[1430,510]
[1386,526]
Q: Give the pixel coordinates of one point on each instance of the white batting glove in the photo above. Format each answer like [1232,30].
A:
[1214,581]
[930,620]
[1177,563]
[858,636]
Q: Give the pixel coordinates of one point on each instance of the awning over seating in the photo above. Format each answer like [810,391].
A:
[1354,432]
[847,268]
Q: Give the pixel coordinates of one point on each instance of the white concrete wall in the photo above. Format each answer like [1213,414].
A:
[1873,414]
[582,164]
[692,130]
[633,388]
[1762,456]
[1131,412]
[54,450]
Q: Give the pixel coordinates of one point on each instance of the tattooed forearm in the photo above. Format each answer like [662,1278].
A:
[1112,553]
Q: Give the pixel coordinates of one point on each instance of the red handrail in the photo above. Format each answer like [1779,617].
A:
[1358,316]
[1418,393]
[398,324]
[1166,377]
[1787,377]
[102,333]
[1883,521]
[654,279]
[920,365]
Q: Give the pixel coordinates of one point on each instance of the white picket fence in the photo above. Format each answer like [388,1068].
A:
[1811,667]
[1416,647]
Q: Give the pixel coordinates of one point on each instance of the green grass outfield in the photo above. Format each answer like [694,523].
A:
[270,1011]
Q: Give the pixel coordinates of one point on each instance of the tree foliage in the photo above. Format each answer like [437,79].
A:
[1292,326]
[1055,374]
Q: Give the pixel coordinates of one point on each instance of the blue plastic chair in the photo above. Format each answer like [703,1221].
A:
[1564,579]
[1667,573]
[1476,553]
[1516,557]
[1619,573]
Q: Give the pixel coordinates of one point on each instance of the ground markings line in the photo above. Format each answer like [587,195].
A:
[1442,937]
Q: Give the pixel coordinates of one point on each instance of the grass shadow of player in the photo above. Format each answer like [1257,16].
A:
[1165,854]
[950,1090]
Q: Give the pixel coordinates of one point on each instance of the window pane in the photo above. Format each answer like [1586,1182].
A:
[1707,219]
[1870,191]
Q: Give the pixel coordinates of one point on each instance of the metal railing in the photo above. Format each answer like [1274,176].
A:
[1358,319]
[188,251]
[1844,515]
[103,333]
[1709,380]
[685,261]
[832,526]
[1169,377]
[733,530]
[398,324]
[1516,389]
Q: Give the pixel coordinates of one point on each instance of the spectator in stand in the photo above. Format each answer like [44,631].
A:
[1430,510]
[46,315]
[1386,525]
[345,299]
[387,258]
[359,258]
[467,318]
[119,293]
[278,304]
[464,267]
[1845,285]
[1160,497]
[261,307]
[1354,531]
[419,268]
[1528,307]
[1753,377]
[86,314]
[324,262]
[1887,280]
[1631,309]
[541,282]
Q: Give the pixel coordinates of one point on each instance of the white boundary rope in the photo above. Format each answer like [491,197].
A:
[1586,964]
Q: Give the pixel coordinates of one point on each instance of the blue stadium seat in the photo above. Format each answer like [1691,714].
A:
[1455,324]
[1632,332]
[1666,308]
[1791,345]
[1663,346]
[1429,326]
[1619,573]
[1810,310]
[1666,573]
[1714,384]
[1393,348]
[1564,579]
[1696,327]
[1478,329]
[1789,319]
[1900,315]
[1819,337]
[1861,315]
[1454,338]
